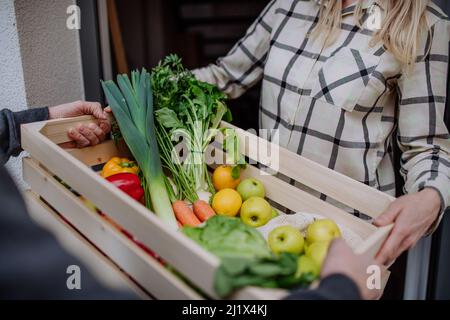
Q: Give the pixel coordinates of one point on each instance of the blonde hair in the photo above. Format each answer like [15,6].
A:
[400,31]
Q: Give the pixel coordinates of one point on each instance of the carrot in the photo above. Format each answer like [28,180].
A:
[179,224]
[203,210]
[185,214]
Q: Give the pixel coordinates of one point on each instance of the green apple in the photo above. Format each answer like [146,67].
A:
[322,231]
[251,188]
[274,213]
[286,239]
[256,212]
[317,251]
[307,265]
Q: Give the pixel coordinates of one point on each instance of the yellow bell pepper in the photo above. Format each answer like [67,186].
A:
[119,165]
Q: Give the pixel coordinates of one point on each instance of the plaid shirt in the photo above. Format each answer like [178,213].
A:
[344,105]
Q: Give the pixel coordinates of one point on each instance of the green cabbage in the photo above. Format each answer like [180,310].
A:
[229,238]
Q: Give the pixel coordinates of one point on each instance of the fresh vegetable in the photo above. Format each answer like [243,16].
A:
[185,214]
[223,178]
[270,272]
[189,110]
[119,165]
[229,238]
[128,183]
[132,105]
[227,202]
[203,210]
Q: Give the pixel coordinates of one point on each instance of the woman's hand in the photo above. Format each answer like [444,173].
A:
[413,216]
[83,135]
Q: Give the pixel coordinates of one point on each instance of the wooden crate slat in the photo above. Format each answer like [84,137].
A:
[95,155]
[73,167]
[179,251]
[53,221]
[332,183]
[146,270]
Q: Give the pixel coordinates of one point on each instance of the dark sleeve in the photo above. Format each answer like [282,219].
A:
[10,129]
[32,263]
[334,287]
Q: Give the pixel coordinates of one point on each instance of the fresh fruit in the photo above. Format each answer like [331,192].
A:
[223,178]
[251,188]
[323,230]
[286,239]
[307,265]
[89,204]
[227,202]
[274,213]
[256,212]
[317,251]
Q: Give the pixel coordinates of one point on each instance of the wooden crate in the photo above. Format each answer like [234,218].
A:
[74,166]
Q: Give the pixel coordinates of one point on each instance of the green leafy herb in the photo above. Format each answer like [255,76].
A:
[191,110]
[269,272]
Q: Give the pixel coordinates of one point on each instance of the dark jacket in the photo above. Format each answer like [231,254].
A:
[32,263]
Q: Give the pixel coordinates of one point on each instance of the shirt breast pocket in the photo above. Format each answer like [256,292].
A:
[342,79]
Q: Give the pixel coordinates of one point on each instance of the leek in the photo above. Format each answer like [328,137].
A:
[132,105]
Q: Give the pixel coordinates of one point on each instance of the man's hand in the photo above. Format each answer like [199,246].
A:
[342,260]
[413,216]
[83,135]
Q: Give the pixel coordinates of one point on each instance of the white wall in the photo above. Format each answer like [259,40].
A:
[12,84]
[50,52]
[40,60]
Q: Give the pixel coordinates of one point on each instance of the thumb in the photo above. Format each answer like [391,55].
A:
[388,216]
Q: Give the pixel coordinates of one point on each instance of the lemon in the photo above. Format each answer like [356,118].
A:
[227,202]
[222,178]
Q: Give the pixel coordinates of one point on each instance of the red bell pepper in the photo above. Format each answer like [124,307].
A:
[128,183]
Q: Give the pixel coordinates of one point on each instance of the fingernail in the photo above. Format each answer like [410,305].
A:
[71,131]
